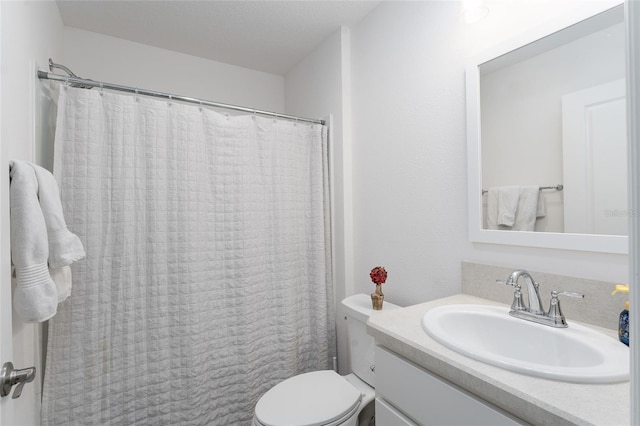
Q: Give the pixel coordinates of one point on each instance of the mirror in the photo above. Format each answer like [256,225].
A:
[547,138]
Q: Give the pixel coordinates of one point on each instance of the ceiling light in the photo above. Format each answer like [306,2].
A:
[473,10]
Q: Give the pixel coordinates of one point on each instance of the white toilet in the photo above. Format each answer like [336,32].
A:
[324,398]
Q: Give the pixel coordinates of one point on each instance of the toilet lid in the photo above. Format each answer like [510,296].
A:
[310,399]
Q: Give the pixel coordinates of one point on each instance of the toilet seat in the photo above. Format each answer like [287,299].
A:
[319,398]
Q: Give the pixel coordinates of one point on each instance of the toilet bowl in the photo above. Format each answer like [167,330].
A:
[319,398]
[324,398]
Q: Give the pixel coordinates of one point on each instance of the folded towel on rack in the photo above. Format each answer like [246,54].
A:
[502,205]
[35,298]
[528,208]
[542,205]
[62,278]
[42,248]
[508,199]
[492,207]
[64,247]
[514,207]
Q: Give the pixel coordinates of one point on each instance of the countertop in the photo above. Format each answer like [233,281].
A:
[534,400]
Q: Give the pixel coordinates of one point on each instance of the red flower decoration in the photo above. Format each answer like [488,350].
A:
[378,275]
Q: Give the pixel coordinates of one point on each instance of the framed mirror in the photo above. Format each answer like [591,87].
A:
[547,146]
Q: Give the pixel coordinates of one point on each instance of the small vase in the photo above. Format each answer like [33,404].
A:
[377,297]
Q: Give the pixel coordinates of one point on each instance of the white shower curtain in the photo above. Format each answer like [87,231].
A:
[206,278]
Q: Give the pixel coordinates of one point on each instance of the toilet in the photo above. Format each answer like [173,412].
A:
[324,398]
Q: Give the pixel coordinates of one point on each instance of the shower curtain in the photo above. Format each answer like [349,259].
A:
[206,280]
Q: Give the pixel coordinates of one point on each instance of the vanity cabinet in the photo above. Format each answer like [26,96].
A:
[410,395]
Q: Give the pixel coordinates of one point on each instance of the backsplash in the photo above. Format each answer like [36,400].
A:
[598,306]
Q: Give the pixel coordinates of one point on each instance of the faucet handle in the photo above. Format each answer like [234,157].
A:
[555,312]
[573,294]
[518,303]
[509,281]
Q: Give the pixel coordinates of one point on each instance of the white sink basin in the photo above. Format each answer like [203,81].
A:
[488,334]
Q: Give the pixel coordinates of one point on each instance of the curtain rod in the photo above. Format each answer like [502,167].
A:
[87,84]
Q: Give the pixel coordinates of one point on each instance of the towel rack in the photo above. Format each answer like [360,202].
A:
[558,187]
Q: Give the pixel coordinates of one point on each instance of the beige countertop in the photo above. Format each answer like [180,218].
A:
[534,400]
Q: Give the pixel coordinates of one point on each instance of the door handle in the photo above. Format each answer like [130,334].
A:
[10,377]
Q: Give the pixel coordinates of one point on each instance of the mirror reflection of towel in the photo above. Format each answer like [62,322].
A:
[514,207]
[508,202]
[502,204]
[527,212]
[492,207]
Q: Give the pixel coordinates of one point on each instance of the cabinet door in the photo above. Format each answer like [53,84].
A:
[386,415]
[430,400]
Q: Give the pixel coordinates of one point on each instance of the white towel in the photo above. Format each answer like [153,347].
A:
[35,298]
[542,205]
[62,278]
[492,207]
[64,247]
[42,248]
[527,208]
[508,199]
[502,205]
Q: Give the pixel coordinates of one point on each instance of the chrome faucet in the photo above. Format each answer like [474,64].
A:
[535,304]
[553,317]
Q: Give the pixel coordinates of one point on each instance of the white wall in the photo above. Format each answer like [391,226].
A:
[31,32]
[113,60]
[409,150]
[318,87]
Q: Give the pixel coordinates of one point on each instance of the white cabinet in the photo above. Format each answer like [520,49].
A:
[415,396]
[387,415]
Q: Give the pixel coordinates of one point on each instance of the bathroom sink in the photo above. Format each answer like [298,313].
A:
[489,334]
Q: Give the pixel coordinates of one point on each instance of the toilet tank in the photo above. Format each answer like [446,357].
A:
[357,309]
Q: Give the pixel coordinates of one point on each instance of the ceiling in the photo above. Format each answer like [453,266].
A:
[268,35]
